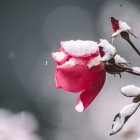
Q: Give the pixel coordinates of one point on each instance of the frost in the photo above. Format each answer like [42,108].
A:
[119,59]
[121,118]
[130,91]
[108,49]
[79,47]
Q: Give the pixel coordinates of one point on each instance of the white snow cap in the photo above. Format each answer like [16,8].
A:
[130,91]
[108,49]
[20,126]
[120,118]
[136,69]
[117,125]
[120,60]
[124,26]
[129,109]
[59,56]
[79,47]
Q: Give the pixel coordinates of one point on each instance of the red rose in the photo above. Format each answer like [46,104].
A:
[80,69]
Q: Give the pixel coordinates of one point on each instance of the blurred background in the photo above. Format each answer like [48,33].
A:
[29,31]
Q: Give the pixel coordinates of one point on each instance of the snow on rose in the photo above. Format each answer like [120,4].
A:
[81,67]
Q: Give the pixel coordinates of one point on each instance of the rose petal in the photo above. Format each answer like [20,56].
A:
[87,96]
[94,61]
[72,78]
[115,24]
[76,78]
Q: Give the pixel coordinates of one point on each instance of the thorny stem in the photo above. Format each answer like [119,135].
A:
[125,35]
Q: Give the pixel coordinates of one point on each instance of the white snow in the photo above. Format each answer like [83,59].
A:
[119,59]
[79,47]
[108,49]
[124,26]
[120,119]
[59,56]
[136,69]
[94,61]
[130,91]
[79,107]
[117,124]
[129,109]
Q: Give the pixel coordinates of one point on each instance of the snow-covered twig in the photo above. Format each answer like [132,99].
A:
[122,117]
[126,112]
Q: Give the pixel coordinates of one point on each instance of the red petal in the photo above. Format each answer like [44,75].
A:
[115,24]
[56,82]
[72,78]
[77,78]
[87,96]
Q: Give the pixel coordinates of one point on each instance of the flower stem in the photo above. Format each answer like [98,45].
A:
[125,35]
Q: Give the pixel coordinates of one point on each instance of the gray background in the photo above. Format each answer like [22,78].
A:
[29,31]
